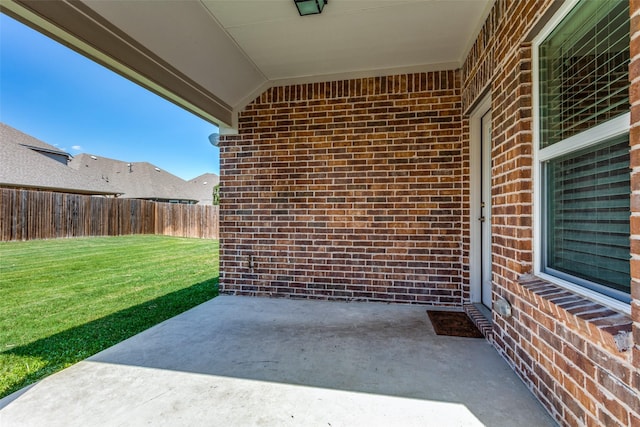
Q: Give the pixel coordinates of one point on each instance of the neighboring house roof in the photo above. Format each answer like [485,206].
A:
[22,165]
[14,135]
[202,187]
[17,137]
[137,180]
[27,162]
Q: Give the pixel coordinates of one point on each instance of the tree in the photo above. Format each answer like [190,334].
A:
[216,194]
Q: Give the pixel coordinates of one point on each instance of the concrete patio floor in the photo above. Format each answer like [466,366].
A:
[239,361]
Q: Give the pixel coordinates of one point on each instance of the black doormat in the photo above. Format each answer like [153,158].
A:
[453,324]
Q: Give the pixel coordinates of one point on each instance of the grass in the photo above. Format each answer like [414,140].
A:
[64,300]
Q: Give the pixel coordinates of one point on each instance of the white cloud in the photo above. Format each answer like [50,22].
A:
[76,148]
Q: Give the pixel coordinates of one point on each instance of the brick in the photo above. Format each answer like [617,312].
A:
[360,189]
[576,410]
[608,420]
[289,173]
[622,392]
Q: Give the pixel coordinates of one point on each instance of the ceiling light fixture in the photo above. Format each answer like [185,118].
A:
[310,7]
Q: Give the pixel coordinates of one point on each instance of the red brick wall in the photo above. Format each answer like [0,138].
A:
[562,345]
[360,190]
[347,190]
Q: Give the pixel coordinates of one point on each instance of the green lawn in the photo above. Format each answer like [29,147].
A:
[64,300]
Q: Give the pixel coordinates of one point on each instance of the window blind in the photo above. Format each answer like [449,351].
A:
[588,214]
[584,70]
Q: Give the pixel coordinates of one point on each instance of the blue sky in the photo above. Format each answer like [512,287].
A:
[60,97]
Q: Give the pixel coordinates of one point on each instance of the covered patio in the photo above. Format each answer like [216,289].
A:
[257,361]
[389,152]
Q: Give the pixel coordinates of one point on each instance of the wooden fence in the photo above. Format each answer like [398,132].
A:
[30,215]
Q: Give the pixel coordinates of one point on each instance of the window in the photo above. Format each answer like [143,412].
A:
[583,148]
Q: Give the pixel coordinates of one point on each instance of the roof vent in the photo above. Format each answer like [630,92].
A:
[157,169]
[94,157]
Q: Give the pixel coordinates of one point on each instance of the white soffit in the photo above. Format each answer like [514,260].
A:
[237,48]
[351,36]
[185,35]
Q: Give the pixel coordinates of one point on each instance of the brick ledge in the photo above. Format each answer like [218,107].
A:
[593,319]
[484,324]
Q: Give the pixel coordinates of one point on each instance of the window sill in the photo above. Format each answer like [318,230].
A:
[598,322]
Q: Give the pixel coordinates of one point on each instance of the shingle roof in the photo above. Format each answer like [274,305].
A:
[137,180]
[202,187]
[17,137]
[22,167]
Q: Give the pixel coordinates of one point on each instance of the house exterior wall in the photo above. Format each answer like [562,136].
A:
[360,190]
[347,190]
[570,351]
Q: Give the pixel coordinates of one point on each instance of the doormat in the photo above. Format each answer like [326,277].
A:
[453,324]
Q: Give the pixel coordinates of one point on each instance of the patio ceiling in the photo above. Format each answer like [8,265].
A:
[214,56]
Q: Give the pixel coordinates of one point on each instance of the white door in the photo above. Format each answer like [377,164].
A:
[485,209]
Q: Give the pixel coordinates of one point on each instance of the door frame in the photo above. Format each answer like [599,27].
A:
[475,191]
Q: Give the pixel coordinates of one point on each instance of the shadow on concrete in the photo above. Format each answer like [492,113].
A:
[258,361]
[381,349]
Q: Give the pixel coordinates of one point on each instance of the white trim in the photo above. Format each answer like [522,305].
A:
[535,122]
[475,139]
[486,206]
[595,135]
[609,129]
[251,96]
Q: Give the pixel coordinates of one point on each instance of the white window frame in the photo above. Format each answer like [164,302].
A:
[610,129]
